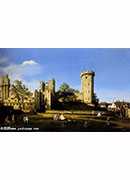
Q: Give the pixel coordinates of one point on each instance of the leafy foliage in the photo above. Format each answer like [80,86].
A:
[21,89]
[95,100]
[65,93]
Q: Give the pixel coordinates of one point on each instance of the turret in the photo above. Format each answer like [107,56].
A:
[87,88]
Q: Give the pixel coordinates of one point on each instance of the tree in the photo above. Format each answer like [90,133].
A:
[64,88]
[21,92]
[95,99]
[21,88]
[65,93]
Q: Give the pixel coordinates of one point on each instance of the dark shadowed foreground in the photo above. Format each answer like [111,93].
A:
[76,121]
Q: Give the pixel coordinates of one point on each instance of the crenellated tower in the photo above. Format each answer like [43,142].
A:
[87,89]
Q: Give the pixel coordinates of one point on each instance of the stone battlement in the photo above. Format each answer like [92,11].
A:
[87,73]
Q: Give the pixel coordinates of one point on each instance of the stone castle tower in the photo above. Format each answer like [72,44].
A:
[49,93]
[87,89]
[44,98]
[4,88]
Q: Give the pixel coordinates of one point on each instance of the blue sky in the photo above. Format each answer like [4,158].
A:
[112,68]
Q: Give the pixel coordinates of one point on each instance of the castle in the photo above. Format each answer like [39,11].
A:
[44,97]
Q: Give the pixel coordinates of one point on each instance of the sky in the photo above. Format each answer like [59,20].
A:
[111,66]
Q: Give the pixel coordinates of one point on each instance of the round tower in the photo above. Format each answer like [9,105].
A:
[87,86]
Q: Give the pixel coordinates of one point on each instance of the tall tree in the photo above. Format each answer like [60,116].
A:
[65,93]
[21,88]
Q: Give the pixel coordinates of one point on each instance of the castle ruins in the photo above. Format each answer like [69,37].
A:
[44,97]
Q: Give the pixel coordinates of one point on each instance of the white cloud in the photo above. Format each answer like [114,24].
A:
[28,71]
[29,62]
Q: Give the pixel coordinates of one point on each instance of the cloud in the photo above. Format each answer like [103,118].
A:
[4,61]
[28,71]
[29,62]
